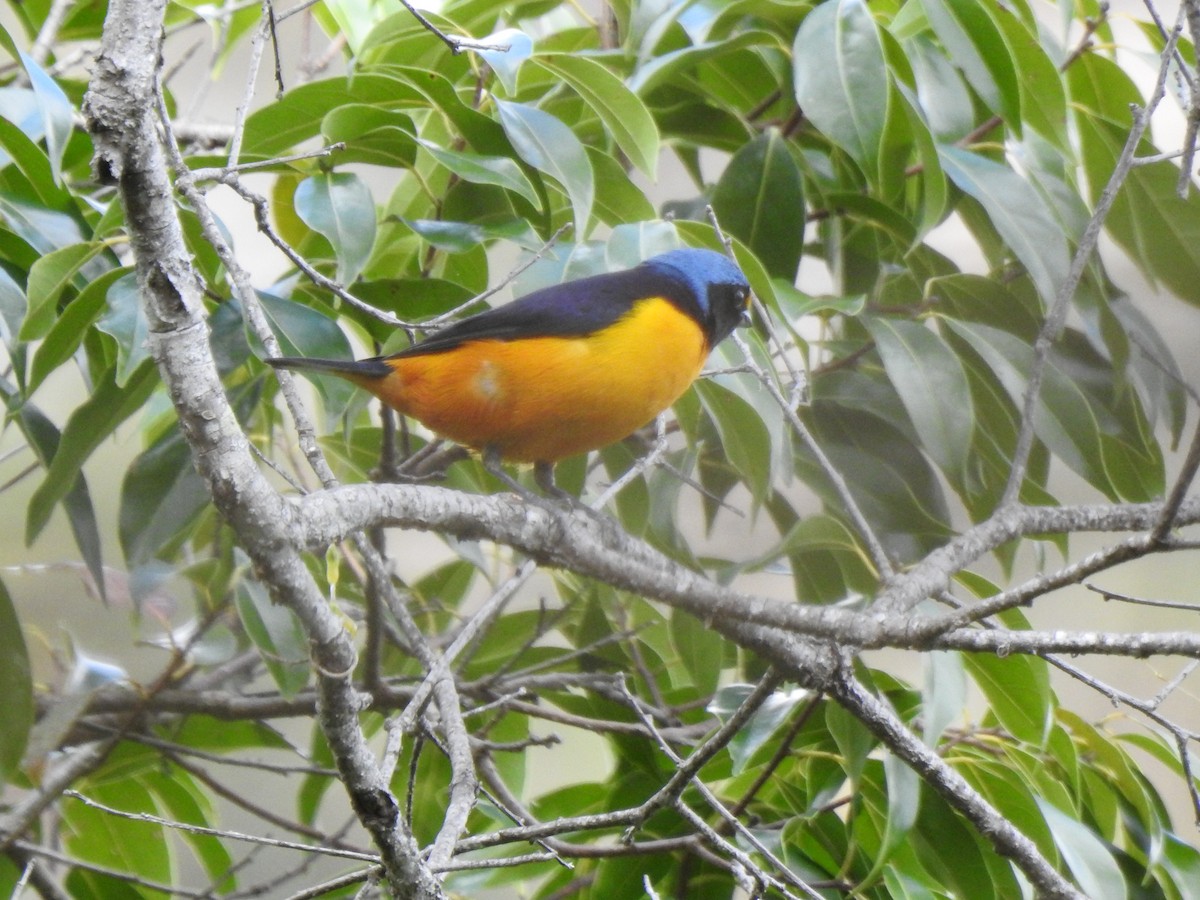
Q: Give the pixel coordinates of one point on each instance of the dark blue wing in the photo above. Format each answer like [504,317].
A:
[573,309]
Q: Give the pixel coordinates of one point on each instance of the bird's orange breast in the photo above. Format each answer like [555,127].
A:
[545,398]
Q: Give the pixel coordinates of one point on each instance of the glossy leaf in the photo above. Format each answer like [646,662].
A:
[1018,692]
[71,327]
[16,689]
[976,45]
[140,848]
[125,320]
[699,649]
[760,200]
[1042,97]
[744,438]
[664,68]
[840,78]
[302,331]
[21,126]
[340,207]
[903,802]
[161,495]
[496,170]
[944,694]
[763,725]
[1074,423]
[276,632]
[1089,859]
[90,424]
[1018,214]
[933,387]
[1160,231]
[48,278]
[624,115]
[12,307]
[507,63]
[551,147]
[298,115]
[44,437]
[58,113]
[371,135]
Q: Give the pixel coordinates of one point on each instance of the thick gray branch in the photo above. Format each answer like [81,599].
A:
[120,108]
[581,544]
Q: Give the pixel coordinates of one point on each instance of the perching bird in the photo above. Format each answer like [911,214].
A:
[566,369]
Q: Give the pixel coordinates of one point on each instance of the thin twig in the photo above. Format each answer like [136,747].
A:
[1056,316]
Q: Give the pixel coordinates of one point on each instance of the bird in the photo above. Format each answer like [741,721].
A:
[563,370]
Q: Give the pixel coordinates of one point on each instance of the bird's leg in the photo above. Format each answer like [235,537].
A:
[491,462]
[543,477]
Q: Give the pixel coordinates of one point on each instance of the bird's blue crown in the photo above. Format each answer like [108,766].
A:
[699,269]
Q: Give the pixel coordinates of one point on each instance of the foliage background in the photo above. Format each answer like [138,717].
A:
[918,371]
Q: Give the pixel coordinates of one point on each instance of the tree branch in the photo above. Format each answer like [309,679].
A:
[121,109]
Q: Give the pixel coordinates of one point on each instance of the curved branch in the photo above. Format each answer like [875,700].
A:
[582,544]
[120,107]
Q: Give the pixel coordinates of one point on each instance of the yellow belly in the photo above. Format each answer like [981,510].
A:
[543,399]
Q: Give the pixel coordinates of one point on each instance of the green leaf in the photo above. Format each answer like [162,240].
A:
[976,45]
[58,114]
[44,437]
[48,277]
[618,199]
[44,229]
[699,649]
[903,803]
[302,331]
[1089,858]
[298,115]
[109,405]
[12,306]
[340,207]
[371,134]
[933,387]
[958,856]
[478,169]
[161,494]
[71,327]
[125,320]
[944,100]
[945,693]
[622,111]
[507,63]
[551,147]
[1159,231]
[853,740]
[1043,99]
[894,484]
[1018,213]
[183,800]
[18,145]
[278,635]
[651,75]
[841,81]
[1181,861]
[1074,422]
[16,689]
[760,200]
[763,725]
[1018,691]
[462,237]
[745,440]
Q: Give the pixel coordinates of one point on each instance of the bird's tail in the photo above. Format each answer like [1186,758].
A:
[362,371]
